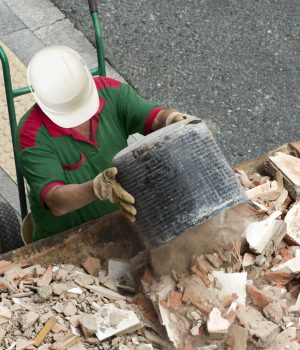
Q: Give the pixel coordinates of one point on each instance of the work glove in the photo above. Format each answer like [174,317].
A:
[106,186]
[175,117]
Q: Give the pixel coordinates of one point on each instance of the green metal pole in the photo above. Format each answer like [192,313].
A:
[99,43]
[21,91]
[13,127]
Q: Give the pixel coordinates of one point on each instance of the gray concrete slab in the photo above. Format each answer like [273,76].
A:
[9,22]
[9,191]
[35,13]
[23,43]
[234,63]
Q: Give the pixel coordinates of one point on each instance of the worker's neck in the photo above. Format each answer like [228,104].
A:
[84,129]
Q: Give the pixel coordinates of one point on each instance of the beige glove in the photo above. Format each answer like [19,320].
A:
[107,187]
[175,117]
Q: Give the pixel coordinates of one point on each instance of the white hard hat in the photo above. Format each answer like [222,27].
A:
[63,86]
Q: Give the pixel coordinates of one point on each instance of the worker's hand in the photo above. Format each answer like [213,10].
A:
[107,187]
[175,117]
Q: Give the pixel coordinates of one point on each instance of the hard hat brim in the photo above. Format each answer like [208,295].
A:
[78,116]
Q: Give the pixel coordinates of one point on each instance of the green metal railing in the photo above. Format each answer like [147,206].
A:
[12,93]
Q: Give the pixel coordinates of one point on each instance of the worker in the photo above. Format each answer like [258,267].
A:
[68,139]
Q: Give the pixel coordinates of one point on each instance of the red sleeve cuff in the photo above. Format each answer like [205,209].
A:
[150,119]
[46,189]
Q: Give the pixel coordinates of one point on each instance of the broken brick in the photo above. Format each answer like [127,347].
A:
[226,301]
[46,279]
[174,300]
[278,277]
[196,292]
[259,297]
[92,266]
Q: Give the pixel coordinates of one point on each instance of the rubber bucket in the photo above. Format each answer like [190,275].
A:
[179,178]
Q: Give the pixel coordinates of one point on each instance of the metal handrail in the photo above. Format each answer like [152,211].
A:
[12,93]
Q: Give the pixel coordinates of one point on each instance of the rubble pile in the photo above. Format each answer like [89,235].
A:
[64,307]
[245,298]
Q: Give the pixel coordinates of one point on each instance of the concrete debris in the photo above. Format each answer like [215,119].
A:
[287,340]
[22,344]
[69,309]
[83,279]
[59,288]
[55,308]
[292,265]
[274,312]
[264,236]
[248,260]
[292,220]
[65,342]
[75,290]
[238,337]
[243,298]
[106,293]
[88,324]
[261,331]
[111,321]
[217,326]
[232,283]
[2,334]
[262,269]
[28,320]
[5,312]
[267,195]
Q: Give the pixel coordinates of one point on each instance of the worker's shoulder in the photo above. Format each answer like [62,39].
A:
[106,83]
[29,126]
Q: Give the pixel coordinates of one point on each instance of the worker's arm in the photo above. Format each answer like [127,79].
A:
[64,199]
[169,116]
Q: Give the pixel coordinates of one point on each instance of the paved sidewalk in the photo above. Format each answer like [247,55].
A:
[26,26]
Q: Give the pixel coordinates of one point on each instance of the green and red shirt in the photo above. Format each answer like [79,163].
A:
[51,155]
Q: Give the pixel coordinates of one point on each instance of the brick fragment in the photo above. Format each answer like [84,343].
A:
[196,292]
[92,266]
[278,277]
[174,300]
[46,279]
[259,297]
[6,265]
[286,255]
[229,299]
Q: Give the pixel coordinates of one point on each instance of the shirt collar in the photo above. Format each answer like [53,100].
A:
[56,130]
